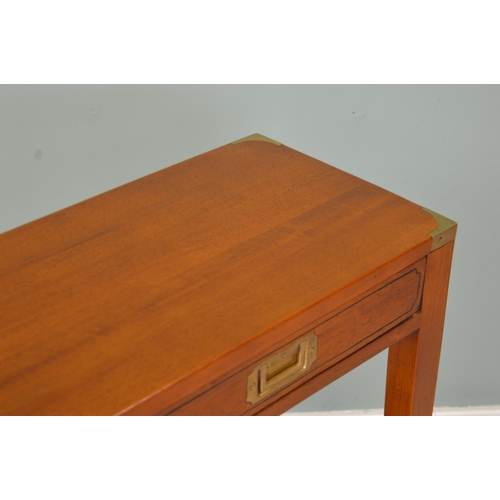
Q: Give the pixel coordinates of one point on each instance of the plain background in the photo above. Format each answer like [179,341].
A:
[438,146]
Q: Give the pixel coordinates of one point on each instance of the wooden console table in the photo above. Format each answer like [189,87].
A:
[238,282]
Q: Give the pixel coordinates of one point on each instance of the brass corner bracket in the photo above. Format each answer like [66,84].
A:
[445,231]
[257,137]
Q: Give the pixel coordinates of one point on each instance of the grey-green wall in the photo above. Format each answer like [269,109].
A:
[438,146]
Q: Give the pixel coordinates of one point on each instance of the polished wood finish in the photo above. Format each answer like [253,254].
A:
[340,368]
[343,332]
[140,299]
[413,362]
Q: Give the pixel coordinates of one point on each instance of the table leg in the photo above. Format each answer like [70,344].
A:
[413,361]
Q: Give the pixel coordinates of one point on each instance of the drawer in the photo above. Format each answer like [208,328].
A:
[314,349]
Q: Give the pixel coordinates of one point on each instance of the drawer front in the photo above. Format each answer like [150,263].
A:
[331,339]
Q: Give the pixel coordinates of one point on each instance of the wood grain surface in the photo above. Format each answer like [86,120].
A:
[413,363]
[134,300]
[339,335]
[337,370]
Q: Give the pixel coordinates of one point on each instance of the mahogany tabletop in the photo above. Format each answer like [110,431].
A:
[127,301]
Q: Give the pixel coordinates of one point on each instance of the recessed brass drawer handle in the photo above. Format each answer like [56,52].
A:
[282,368]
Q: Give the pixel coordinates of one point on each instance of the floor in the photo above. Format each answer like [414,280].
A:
[444,411]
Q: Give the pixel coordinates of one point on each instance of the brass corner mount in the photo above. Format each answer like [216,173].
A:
[257,137]
[445,231]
